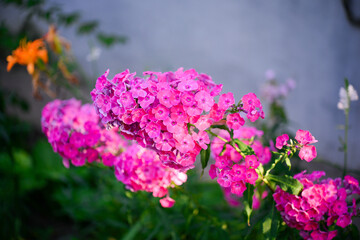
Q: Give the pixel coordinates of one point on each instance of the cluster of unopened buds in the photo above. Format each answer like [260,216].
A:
[304,139]
[74,131]
[164,111]
[320,206]
[232,169]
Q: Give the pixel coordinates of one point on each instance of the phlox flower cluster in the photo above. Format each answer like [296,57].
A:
[320,207]
[75,132]
[161,111]
[272,91]
[140,169]
[304,138]
[230,168]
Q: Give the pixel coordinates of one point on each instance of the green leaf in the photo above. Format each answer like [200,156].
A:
[287,183]
[248,199]
[205,156]
[271,224]
[220,127]
[87,27]
[288,163]
[69,19]
[247,150]
[109,40]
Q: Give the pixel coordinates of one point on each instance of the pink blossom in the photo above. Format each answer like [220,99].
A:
[307,153]
[204,100]
[202,138]
[216,113]
[164,97]
[226,100]
[238,188]
[213,171]
[281,141]
[160,112]
[167,202]
[234,121]
[251,161]
[203,123]
[185,86]
[304,137]
[251,176]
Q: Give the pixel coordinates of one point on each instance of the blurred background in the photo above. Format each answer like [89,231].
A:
[234,42]
[240,44]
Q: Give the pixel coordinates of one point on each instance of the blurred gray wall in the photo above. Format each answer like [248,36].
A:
[236,42]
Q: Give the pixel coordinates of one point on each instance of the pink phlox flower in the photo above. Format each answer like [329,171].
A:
[77,139]
[202,138]
[216,90]
[251,161]
[222,162]
[250,101]
[204,100]
[216,113]
[254,114]
[185,144]
[247,132]
[238,188]
[312,196]
[187,86]
[340,207]
[165,97]
[251,176]
[167,202]
[127,100]
[137,90]
[282,141]
[351,180]
[193,110]
[160,112]
[344,221]
[213,171]
[224,178]
[153,129]
[226,100]
[203,123]
[187,99]
[147,119]
[108,159]
[234,121]
[238,172]
[165,142]
[178,114]
[163,86]
[307,153]
[304,137]
[146,101]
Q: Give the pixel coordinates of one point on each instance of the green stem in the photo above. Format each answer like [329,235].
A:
[215,135]
[346,139]
[226,141]
[274,164]
[268,184]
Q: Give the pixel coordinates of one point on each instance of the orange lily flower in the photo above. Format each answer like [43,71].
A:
[28,54]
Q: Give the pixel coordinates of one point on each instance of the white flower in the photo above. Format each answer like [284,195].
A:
[346,97]
[352,93]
